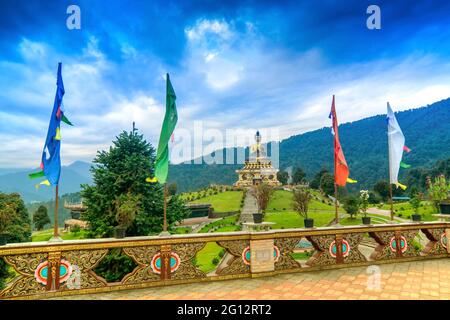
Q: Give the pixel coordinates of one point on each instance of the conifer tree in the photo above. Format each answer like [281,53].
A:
[122,170]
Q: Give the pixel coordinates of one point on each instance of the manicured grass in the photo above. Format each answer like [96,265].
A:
[228,229]
[301,255]
[376,219]
[181,230]
[227,221]
[190,196]
[207,255]
[280,210]
[404,208]
[72,236]
[281,200]
[227,201]
[45,235]
[291,219]
[212,249]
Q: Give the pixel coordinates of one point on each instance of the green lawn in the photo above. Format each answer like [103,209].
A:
[301,255]
[45,235]
[291,219]
[228,229]
[227,221]
[212,249]
[206,256]
[181,230]
[280,210]
[227,201]
[281,200]
[404,210]
[376,219]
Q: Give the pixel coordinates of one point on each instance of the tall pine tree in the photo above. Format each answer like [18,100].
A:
[123,169]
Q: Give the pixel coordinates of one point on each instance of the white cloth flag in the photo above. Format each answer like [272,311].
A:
[396,141]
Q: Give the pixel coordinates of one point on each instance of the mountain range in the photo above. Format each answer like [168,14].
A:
[16,180]
[364,142]
[426,130]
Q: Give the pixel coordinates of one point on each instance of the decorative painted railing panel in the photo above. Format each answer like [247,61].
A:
[51,269]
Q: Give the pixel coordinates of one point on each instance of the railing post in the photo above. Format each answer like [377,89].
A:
[339,254]
[53,264]
[447,235]
[398,244]
[262,259]
[165,262]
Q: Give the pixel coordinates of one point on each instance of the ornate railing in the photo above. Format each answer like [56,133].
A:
[53,269]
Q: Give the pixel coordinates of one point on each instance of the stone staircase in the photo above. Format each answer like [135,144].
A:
[250,207]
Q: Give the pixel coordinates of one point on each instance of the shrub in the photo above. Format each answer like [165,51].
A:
[215,261]
[75,229]
[301,200]
[351,206]
[4,273]
[115,265]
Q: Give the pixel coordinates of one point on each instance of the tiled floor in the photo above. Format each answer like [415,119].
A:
[408,280]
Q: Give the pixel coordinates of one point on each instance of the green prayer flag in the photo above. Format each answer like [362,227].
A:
[404,165]
[65,120]
[170,120]
[36,175]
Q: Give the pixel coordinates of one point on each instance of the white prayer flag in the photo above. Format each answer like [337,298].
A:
[396,141]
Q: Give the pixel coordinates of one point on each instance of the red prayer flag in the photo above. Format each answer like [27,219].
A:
[341,171]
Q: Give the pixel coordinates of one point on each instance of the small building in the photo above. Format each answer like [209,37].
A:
[401,199]
[76,210]
[70,223]
[258,169]
[199,209]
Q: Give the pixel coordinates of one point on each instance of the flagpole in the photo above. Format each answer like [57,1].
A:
[390,184]
[56,237]
[336,202]
[390,200]
[165,209]
[55,224]
[336,218]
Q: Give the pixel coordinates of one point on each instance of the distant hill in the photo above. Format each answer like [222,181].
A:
[71,178]
[426,129]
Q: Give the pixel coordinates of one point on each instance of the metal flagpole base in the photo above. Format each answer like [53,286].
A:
[165,234]
[55,239]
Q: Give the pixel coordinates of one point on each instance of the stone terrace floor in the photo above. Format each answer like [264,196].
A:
[407,280]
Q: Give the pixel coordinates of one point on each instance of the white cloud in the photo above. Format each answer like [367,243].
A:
[32,50]
[227,79]
[205,27]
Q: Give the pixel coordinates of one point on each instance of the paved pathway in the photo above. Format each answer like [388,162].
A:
[250,207]
[387,214]
[408,280]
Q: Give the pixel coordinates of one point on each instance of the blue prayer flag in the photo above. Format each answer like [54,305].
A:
[51,161]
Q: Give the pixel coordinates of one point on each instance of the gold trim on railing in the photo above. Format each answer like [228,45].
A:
[331,250]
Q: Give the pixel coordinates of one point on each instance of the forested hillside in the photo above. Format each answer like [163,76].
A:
[426,129]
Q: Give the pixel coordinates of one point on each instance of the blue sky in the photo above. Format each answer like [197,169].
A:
[233,64]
